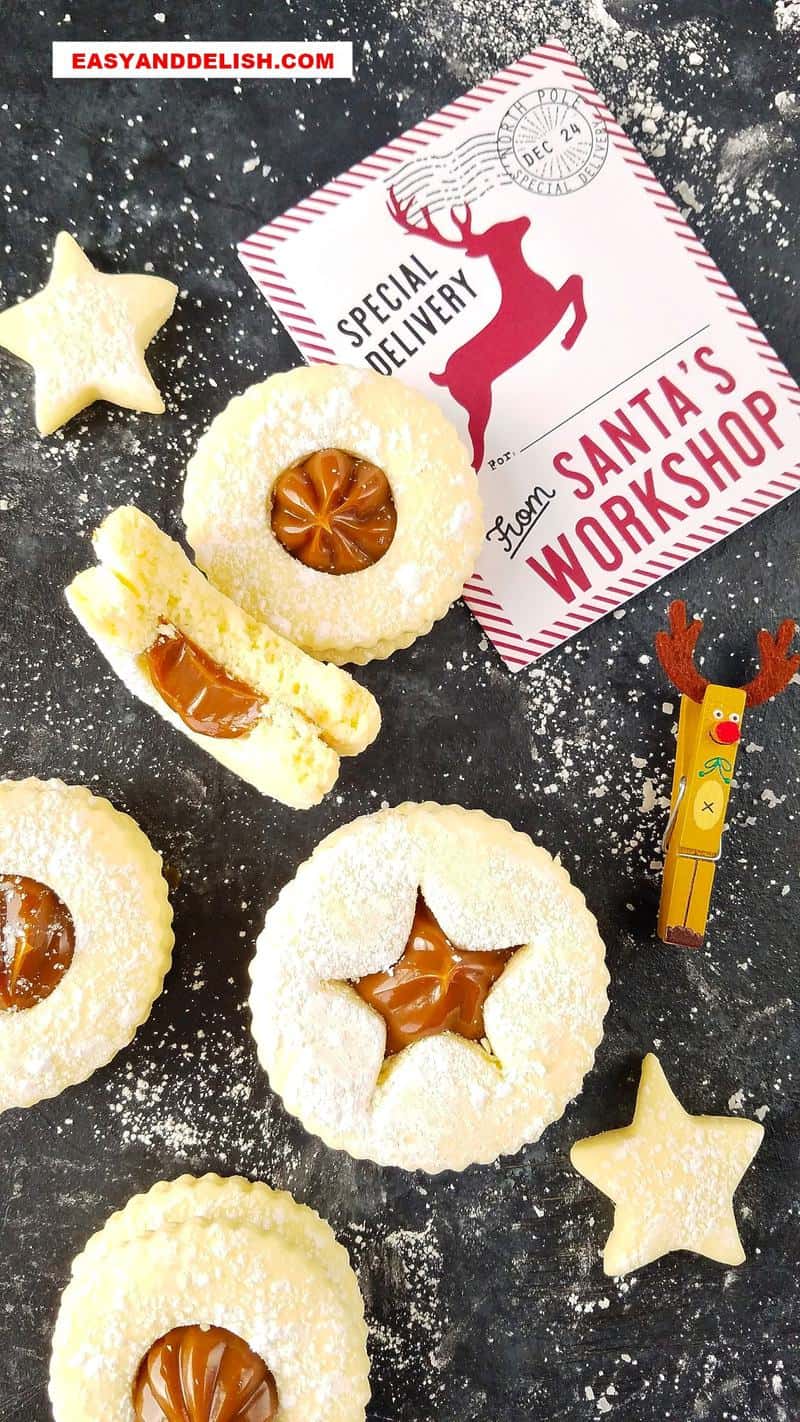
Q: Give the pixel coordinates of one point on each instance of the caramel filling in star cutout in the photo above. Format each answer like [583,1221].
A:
[433,987]
[85,334]
[671,1176]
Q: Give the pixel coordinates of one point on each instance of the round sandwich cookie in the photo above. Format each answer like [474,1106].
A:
[85,936]
[210,1299]
[337,505]
[429,990]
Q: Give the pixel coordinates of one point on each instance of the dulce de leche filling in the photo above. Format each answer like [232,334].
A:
[199,690]
[196,1374]
[334,511]
[37,941]
[433,987]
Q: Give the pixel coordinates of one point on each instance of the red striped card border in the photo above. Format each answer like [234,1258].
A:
[260,254]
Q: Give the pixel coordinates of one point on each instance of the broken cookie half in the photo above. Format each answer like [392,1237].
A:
[265,709]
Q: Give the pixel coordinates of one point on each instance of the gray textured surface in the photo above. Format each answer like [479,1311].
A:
[485,1291]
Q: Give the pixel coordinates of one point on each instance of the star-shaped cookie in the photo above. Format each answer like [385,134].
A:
[85,334]
[671,1176]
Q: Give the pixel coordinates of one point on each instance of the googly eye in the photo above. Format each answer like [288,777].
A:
[734,716]
[717,713]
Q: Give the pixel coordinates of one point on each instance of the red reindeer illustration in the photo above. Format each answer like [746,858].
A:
[530,308]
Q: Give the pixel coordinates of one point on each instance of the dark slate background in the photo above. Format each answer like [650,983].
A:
[484,1292]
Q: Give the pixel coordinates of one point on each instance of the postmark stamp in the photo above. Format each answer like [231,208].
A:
[551,143]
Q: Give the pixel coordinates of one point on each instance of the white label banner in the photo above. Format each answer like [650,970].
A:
[190,59]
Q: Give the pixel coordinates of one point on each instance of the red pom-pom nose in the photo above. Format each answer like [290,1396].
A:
[727,733]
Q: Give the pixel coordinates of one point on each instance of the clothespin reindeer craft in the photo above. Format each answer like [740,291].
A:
[709,731]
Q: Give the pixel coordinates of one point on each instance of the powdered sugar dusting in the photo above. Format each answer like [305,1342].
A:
[490,889]
[663,83]
[102,867]
[228,490]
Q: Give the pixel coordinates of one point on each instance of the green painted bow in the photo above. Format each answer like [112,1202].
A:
[720,763]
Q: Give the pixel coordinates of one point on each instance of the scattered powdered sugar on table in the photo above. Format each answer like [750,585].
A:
[406,1264]
[151,1108]
[664,87]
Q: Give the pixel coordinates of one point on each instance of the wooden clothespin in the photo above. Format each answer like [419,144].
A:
[709,731]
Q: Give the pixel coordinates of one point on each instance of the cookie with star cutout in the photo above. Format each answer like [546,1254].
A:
[85,334]
[429,991]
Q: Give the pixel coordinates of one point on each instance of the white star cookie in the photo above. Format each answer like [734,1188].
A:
[671,1176]
[85,334]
